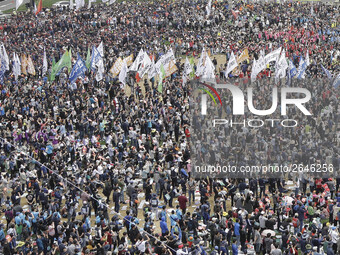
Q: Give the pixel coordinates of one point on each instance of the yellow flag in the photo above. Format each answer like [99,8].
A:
[117,66]
[244,55]
[24,65]
[30,66]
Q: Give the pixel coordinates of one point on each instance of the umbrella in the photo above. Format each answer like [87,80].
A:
[266,231]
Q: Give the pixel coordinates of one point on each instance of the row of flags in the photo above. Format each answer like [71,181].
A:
[144,64]
[206,70]
[79,4]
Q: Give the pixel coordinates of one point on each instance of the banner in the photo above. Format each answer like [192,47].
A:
[244,56]
[165,60]
[78,69]
[24,64]
[128,60]
[117,66]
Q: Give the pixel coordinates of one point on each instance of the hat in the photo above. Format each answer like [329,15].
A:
[225,213]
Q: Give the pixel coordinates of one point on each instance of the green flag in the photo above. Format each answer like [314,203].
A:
[65,61]
[161,77]
[88,59]
[192,63]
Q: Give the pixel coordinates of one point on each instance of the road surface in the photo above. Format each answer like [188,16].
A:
[9,4]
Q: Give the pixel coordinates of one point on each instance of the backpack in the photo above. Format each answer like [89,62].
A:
[154,202]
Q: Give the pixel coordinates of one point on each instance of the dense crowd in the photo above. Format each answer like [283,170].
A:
[99,168]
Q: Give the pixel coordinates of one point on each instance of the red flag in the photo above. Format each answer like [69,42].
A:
[39,7]
[235,13]
[137,77]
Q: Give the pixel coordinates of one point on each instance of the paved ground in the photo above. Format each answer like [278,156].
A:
[9,4]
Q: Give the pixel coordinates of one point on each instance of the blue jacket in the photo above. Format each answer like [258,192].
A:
[237,229]
[164,226]
[234,249]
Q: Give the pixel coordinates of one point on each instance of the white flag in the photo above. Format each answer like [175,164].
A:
[71,4]
[123,73]
[16,66]
[112,2]
[201,63]
[232,64]
[79,4]
[281,67]
[272,56]
[100,71]
[18,3]
[90,1]
[307,58]
[209,69]
[152,71]
[5,57]
[187,67]
[145,65]
[45,66]
[253,71]
[184,79]
[100,48]
[208,8]
[138,60]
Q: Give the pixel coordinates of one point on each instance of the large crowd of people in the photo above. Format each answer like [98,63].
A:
[100,168]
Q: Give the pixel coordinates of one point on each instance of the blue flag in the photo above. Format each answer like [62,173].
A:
[95,58]
[302,68]
[336,82]
[78,69]
[2,69]
[328,73]
[292,69]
